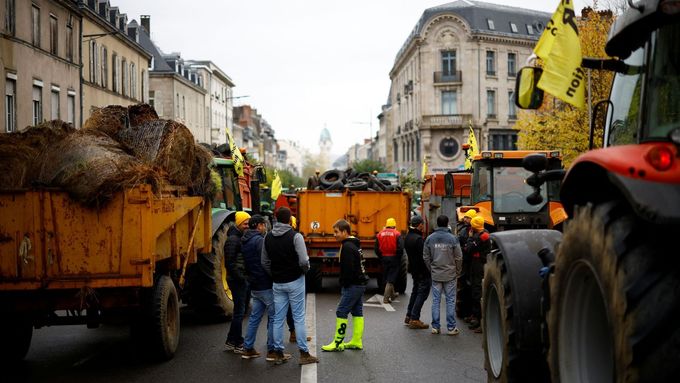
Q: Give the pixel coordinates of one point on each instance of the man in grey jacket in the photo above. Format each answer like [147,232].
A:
[284,257]
[444,258]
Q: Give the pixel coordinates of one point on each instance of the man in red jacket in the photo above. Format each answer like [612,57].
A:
[389,246]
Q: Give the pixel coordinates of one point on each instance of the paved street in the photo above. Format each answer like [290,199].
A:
[392,352]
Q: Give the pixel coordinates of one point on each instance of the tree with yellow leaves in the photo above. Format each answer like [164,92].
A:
[558,125]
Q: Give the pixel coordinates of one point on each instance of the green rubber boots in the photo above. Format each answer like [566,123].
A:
[340,331]
[357,334]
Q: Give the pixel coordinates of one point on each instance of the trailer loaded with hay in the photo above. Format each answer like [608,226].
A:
[107,224]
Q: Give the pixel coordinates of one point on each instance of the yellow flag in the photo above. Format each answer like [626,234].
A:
[560,49]
[474,148]
[423,172]
[276,186]
[236,155]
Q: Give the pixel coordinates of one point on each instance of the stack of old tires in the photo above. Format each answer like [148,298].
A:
[350,179]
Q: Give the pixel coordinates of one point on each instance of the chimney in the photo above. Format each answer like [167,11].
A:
[146,23]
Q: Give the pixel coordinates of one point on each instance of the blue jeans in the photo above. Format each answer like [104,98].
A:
[419,294]
[449,289]
[351,300]
[293,294]
[239,290]
[262,301]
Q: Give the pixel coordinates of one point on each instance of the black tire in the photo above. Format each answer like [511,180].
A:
[502,360]
[16,335]
[337,185]
[329,177]
[208,291]
[357,185]
[386,182]
[164,319]
[402,278]
[375,184]
[314,279]
[614,299]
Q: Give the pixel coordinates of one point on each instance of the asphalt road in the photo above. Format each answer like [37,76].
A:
[392,352]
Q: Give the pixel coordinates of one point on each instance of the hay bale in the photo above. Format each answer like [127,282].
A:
[109,120]
[92,167]
[202,179]
[165,144]
[141,113]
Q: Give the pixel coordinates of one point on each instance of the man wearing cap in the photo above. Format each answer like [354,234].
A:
[236,278]
[413,244]
[478,246]
[463,302]
[389,246]
[284,257]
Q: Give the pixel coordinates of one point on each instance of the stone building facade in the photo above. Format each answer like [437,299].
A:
[258,137]
[457,68]
[40,62]
[219,99]
[115,65]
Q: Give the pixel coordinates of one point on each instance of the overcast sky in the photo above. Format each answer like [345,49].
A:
[305,64]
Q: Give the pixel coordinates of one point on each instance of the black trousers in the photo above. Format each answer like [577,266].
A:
[476,276]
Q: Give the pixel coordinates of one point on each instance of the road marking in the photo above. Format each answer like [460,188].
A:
[308,371]
[377,301]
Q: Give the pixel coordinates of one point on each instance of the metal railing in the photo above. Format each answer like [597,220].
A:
[447,119]
[447,77]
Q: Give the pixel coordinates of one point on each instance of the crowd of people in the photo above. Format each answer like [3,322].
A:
[268,269]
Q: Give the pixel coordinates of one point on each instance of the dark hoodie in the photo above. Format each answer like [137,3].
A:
[352,270]
[251,247]
[233,255]
[413,244]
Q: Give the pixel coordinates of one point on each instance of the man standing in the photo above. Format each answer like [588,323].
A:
[353,280]
[443,257]
[413,244]
[284,257]
[478,246]
[314,181]
[236,278]
[464,301]
[389,246]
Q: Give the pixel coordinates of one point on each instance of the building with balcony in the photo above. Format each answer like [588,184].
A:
[219,100]
[40,62]
[115,65]
[457,68]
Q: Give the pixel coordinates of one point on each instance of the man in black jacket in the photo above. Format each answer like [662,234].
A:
[353,280]
[236,278]
[413,244]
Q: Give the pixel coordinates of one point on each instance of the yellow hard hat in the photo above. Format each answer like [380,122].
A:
[477,223]
[391,222]
[241,216]
[470,213]
[293,222]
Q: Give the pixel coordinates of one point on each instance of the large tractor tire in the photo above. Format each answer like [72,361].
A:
[615,299]
[314,279]
[16,334]
[164,319]
[402,278]
[209,292]
[502,361]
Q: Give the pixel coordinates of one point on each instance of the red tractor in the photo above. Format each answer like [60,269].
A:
[601,302]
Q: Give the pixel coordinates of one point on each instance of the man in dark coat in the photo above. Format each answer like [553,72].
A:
[236,278]
[413,244]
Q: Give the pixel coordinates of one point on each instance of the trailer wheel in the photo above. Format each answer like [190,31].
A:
[209,291]
[502,361]
[16,339]
[164,312]
[614,299]
[314,279]
[402,278]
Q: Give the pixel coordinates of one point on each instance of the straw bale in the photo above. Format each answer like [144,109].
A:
[110,120]
[141,113]
[202,180]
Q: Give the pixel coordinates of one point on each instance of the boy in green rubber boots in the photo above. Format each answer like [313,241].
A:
[353,281]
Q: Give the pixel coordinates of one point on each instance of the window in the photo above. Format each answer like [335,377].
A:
[449,63]
[10,17]
[93,61]
[55,104]
[115,61]
[10,105]
[502,141]
[489,22]
[448,147]
[104,63]
[133,81]
[143,96]
[490,63]
[54,35]
[184,108]
[512,108]
[395,150]
[69,38]
[152,98]
[71,109]
[530,29]
[513,27]
[449,102]
[491,104]
[37,104]
[125,77]
[512,64]
[177,108]
[35,25]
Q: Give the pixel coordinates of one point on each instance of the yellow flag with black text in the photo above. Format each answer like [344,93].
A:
[474,148]
[560,49]
[236,155]
[276,186]
[423,172]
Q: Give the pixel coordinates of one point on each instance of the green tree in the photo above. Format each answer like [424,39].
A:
[558,125]
[287,178]
[368,165]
